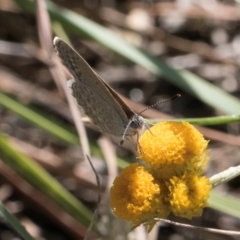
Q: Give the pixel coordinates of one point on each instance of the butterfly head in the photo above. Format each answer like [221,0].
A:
[135,128]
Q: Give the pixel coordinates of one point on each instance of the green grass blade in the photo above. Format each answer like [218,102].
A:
[38,120]
[188,81]
[10,219]
[223,203]
[39,178]
[203,121]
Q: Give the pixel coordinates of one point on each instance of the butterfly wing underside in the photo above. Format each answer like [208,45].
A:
[98,100]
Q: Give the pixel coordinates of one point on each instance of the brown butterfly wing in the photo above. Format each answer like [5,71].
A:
[99,101]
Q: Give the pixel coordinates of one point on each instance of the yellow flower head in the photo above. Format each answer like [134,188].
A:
[135,196]
[172,148]
[176,155]
[188,195]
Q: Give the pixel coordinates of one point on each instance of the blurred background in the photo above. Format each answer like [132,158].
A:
[189,47]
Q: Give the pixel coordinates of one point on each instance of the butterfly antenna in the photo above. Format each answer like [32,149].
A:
[155,104]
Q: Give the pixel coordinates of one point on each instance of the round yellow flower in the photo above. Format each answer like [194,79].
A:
[171,148]
[188,195]
[135,196]
[176,155]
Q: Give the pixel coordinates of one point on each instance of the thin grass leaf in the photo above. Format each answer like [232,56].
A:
[38,177]
[188,81]
[224,203]
[10,219]
[207,121]
[38,120]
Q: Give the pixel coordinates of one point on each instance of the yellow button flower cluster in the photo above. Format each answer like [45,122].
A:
[175,157]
